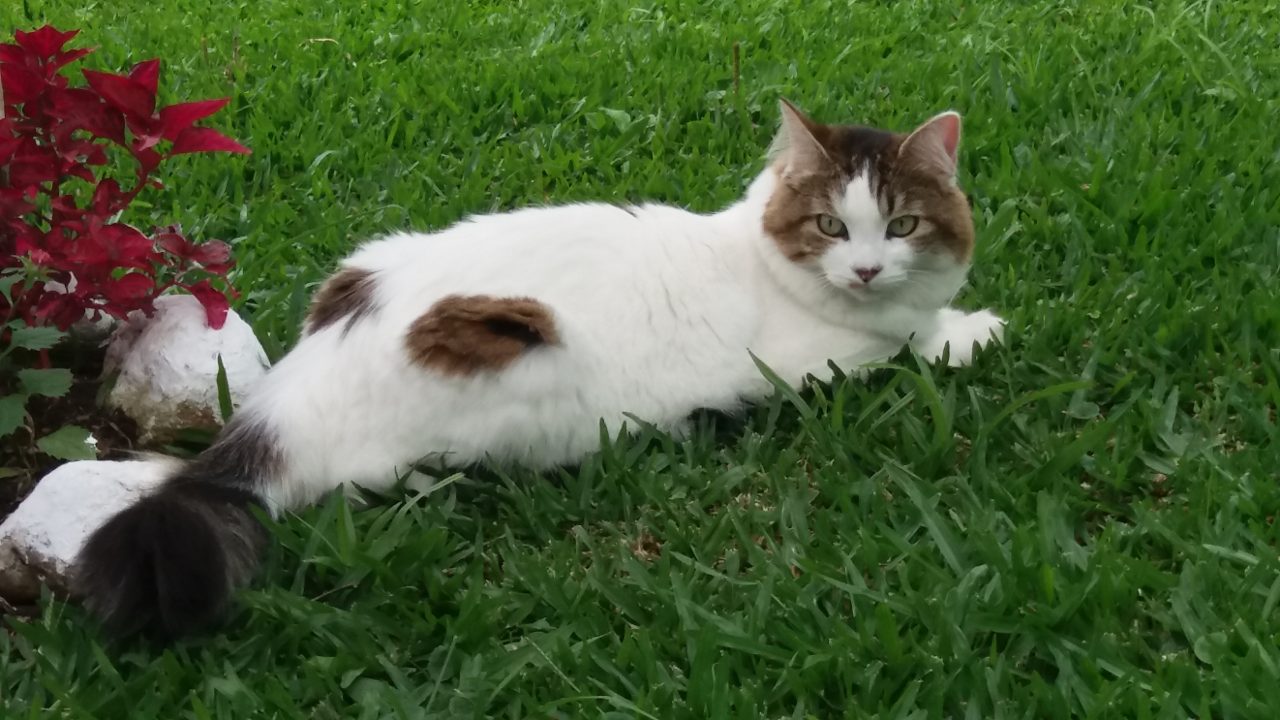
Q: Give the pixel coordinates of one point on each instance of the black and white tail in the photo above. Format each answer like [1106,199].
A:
[167,566]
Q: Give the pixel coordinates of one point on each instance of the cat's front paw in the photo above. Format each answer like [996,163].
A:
[962,333]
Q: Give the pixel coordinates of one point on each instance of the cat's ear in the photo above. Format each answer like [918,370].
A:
[795,145]
[935,145]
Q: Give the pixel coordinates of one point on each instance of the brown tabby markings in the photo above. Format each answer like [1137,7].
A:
[347,293]
[896,177]
[465,334]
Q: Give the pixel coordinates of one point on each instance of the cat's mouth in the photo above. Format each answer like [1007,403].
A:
[861,291]
[858,288]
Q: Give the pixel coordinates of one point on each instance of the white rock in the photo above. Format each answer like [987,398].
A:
[168,366]
[40,540]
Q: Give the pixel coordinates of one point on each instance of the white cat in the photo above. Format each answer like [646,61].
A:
[509,337]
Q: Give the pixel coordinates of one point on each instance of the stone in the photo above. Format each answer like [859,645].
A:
[166,367]
[40,540]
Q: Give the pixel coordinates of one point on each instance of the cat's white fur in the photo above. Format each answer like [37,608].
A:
[657,309]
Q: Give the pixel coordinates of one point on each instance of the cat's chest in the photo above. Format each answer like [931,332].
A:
[795,342]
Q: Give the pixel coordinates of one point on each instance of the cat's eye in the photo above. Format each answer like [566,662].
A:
[831,225]
[903,225]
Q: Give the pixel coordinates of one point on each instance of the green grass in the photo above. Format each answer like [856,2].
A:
[1081,525]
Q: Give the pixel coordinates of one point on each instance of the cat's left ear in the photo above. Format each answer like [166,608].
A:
[935,145]
[795,144]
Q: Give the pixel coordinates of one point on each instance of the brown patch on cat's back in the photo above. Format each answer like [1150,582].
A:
[462,335]
[348,293]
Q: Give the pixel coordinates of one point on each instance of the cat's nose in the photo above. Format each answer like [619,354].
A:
[866,273]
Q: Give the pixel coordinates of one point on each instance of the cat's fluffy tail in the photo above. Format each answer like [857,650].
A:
[167,566]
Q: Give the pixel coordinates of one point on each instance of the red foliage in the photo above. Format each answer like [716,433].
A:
[60,215]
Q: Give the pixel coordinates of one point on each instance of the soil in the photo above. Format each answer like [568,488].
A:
[116,432]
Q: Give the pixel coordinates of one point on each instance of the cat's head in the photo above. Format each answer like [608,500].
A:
[874,214]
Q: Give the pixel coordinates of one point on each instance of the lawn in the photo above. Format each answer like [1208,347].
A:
[1080,525]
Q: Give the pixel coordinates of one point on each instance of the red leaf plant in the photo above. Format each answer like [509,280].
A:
[60,214]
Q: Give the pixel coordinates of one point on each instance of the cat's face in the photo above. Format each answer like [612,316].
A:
[876,215]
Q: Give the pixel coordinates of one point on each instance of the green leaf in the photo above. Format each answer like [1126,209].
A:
[1082,409]
[224,393]
[890,635]
[783,387]
[51,382]
[69,443]
[35,338]
[7,281]
[939,529]
[619,117]
[12,413]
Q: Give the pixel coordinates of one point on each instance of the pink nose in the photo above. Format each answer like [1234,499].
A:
[867,273]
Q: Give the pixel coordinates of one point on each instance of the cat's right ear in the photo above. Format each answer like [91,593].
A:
[795,147]
[935,145]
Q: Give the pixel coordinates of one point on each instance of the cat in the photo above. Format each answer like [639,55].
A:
[510,337]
